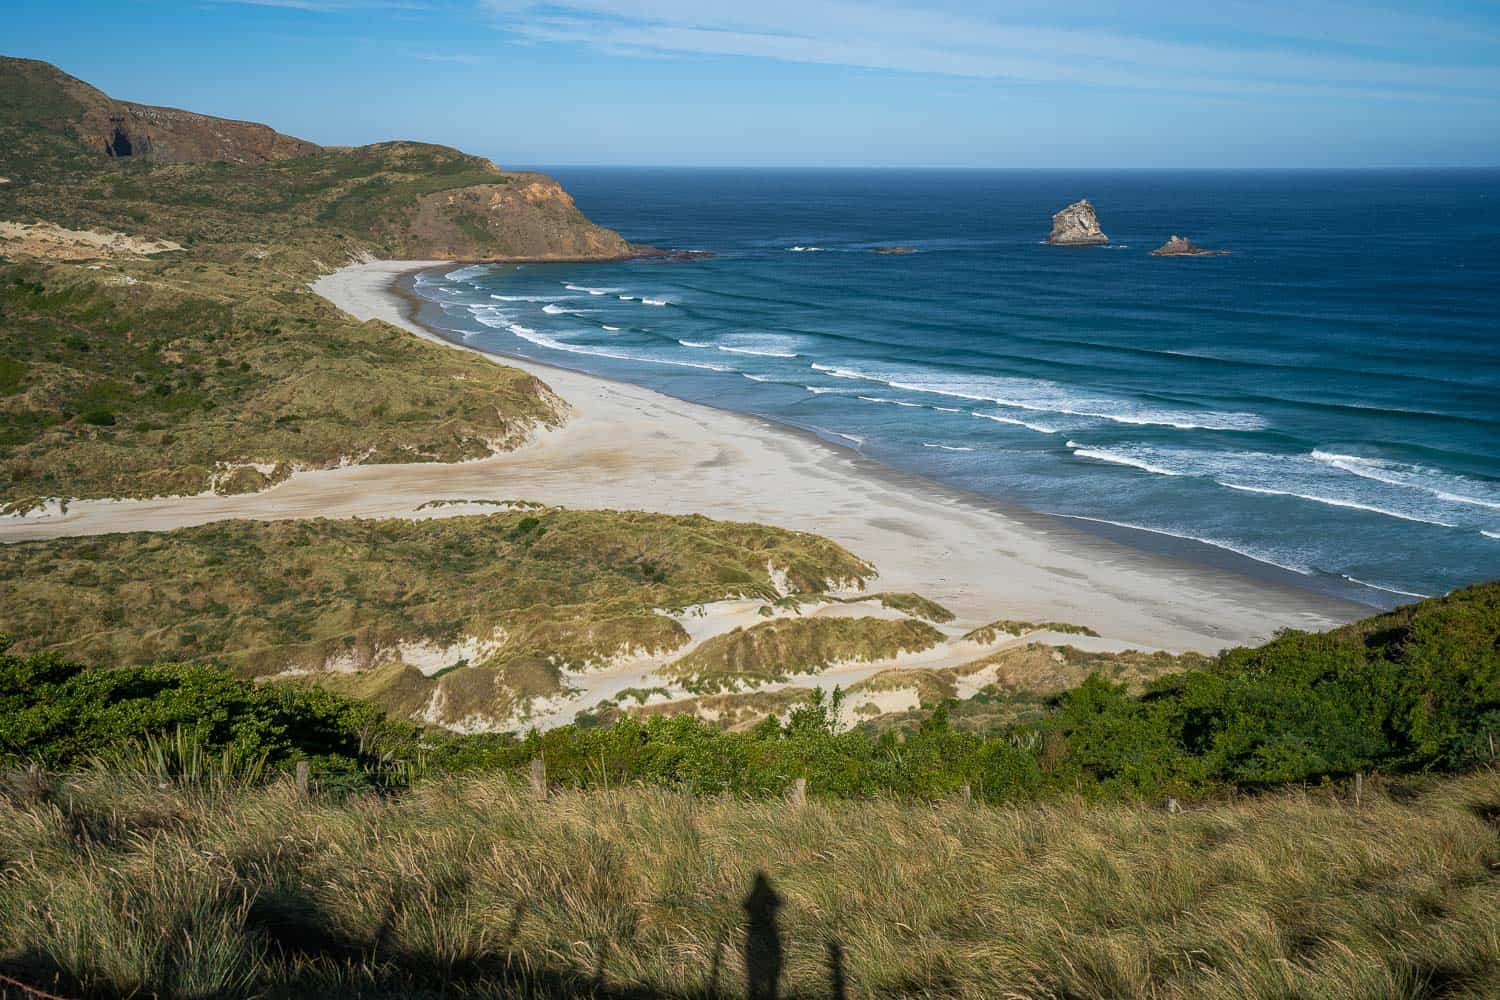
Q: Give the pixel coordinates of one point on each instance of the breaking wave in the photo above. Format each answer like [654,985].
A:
[1041,396]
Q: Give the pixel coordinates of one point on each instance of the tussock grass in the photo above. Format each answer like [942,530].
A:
[472,888]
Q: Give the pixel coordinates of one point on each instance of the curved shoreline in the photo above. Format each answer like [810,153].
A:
[1196,551]
[628,447]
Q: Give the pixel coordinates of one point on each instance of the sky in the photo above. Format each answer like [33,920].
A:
[1007,83]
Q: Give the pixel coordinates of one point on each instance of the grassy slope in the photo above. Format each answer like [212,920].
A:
[136,377]
[143,389]
[471,887]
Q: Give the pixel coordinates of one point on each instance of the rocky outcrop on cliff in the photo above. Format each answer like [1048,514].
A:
[1077,225]
[170,135]
[1181,246]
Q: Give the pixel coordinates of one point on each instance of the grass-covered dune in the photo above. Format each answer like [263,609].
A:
[117,884]
[516,589]
[775,650]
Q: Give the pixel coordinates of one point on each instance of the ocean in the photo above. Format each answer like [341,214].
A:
[1322,404]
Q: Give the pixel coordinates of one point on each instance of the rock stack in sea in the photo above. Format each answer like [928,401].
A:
[1181,246]
[1077,226]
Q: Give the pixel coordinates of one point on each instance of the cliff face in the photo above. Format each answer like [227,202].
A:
[168,135]
[41,95]
[520,215]
[1077,225]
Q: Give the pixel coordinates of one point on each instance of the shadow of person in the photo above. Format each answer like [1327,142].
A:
[763,958]
[836,984]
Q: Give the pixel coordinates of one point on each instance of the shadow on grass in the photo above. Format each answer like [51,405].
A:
[306,954]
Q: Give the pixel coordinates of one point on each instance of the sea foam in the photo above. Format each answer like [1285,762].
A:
[553,343]
[1042,396]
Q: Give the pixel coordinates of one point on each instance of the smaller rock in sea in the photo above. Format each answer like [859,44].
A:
[1181,246]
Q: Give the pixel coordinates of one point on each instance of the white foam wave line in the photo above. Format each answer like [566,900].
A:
[818,390]
[1388,590]
[465,273]
[555,310]
[611,329]
[1117,459]
[949,409]
[837,372]
[695,343]
[891,402]
[1332,502]
[655,302]
[1225,421]
[804,249]
[944,447]
[529,298]
[1191,538]
[1013,422]
[591,291]
[858,441]
[756,378]
[528,334]
[758,354]
[1370,468]
[1460,499]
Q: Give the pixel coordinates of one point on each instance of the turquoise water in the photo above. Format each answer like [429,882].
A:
[1324,403]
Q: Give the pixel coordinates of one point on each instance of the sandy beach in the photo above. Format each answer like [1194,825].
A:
[627,447]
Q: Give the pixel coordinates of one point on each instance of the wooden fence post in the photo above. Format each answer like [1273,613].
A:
[304,776]
[1359,787]
[539,778]
[966,794]
[798,796]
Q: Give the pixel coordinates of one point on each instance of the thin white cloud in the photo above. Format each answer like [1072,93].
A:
[446,57]
[883,36]
[334,6]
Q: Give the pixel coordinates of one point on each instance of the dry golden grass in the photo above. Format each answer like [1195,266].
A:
[112,885]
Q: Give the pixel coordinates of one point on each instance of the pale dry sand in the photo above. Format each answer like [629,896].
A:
[627,447]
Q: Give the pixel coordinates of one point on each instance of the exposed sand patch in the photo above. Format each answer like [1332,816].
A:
[44,239]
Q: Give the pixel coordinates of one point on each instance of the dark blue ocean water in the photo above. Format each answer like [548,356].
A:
[1325,400]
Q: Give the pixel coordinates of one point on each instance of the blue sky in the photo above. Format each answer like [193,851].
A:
[1010,83]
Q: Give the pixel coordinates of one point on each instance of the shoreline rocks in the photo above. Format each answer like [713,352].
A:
[1077,226]
[1181,246]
